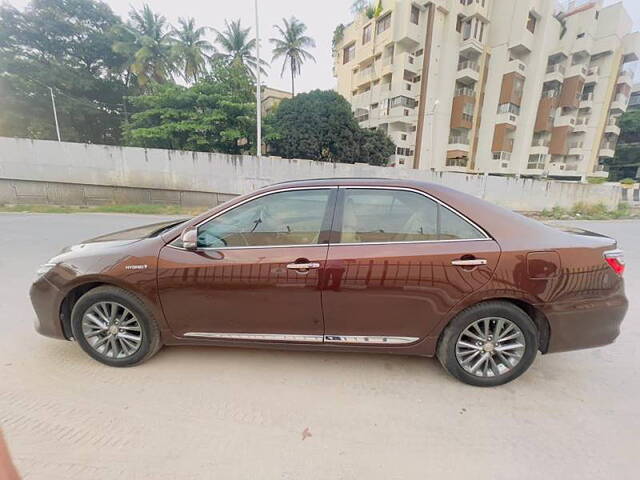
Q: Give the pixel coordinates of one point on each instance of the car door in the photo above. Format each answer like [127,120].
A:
[398,262]
[255,272]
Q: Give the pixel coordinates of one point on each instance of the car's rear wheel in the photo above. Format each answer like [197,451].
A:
[489,344]
[114,327]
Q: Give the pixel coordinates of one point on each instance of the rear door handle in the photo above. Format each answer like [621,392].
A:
[469,263]
[303,266]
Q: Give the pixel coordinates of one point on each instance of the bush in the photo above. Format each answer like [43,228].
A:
[627,181]
[596,180]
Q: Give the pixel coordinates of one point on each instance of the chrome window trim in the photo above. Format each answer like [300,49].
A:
[341,187]
[293,337]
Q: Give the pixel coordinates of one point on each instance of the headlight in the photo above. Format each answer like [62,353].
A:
[44,268]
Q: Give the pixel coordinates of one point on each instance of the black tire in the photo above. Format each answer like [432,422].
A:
[151,342]
[446,351]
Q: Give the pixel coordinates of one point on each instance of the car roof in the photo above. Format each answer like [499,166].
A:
[340,181]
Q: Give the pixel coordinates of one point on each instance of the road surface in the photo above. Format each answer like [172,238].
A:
[194,413]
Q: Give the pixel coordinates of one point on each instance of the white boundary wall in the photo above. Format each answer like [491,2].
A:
[49,162]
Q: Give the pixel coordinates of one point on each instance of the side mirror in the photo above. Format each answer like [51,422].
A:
[189,238]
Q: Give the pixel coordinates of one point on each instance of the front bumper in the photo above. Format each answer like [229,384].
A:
[585,324]
[46,299]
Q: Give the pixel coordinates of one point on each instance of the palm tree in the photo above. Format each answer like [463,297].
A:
[291,47]
[146,39]
[190,51]
[236,47]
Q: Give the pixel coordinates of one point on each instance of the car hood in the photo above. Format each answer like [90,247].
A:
[124,237]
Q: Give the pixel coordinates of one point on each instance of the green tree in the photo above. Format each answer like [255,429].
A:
[319,125]
[626,162]
[65,45]
[216,114]
[237,47]
[190,50]
[291,47]
[146,42]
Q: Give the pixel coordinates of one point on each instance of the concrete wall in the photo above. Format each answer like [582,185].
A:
[38,171]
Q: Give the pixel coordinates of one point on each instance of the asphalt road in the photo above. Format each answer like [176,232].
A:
[193,413]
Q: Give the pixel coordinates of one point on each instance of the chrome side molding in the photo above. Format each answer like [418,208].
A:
[272,337]
[278,337]
[379,340]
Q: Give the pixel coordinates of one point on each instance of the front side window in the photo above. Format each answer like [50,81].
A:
[415,15]
[373,216]
[286,218]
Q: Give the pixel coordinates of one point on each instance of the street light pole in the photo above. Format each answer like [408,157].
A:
[258,89]
[55,114]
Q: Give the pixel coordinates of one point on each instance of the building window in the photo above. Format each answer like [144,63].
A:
[531,23]
[509,108]
[349,53]
[459,23]
[374,106]
[402,100]
[536,162]
[408,85]
[383,24]
[407,152]
[418,53]
[366,34]
[415,14]
[403,136]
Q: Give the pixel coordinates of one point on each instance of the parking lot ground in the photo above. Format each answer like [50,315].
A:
[200,413]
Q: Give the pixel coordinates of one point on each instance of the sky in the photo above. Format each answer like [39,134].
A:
[320,16]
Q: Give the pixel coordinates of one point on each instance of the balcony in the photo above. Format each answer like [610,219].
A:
[465,92]
[555,73]
[583,45]
[459,143]
[502,161]
[586,101]
[581,126]
[517,66]
[522,41]
[575,149]
[601,171]
[626,77]
[565,120]
[457,164]
[592,75]
[471,45]
[612,127]
[468,71]
[475,8]
[620,103]
[563,168]
[608,149]
[365,75]
[577,70]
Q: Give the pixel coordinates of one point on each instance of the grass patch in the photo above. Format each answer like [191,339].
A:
[581,211]
[137,208]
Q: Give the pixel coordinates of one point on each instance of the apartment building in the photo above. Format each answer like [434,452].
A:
[527,87]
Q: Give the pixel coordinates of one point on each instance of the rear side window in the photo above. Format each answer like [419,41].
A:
[373,216]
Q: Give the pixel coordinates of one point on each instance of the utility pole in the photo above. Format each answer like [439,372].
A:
[55,114]
[258,89]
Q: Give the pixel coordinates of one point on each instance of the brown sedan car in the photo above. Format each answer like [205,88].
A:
[367,265]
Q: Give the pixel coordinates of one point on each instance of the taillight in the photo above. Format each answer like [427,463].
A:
[615,259]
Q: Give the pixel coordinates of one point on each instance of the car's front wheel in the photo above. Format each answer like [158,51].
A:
[489,344]
[114,327]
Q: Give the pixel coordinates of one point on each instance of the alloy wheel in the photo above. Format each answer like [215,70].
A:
[490,347]
[112,330]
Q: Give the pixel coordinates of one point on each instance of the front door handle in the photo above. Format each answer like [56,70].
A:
[469,263]
[303,266]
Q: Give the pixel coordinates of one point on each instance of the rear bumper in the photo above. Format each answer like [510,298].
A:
[46,300]
[585,324]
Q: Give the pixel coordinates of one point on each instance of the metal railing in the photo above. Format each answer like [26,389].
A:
[469,64]
[557,67]
[465,91]
[458,139]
